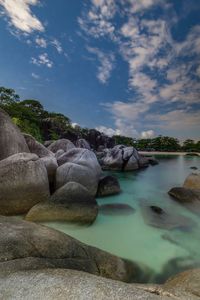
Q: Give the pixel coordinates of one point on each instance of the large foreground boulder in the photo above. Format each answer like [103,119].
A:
[11,139]
[23,183]
[63,144]
[22,241]
[62,284]
[192,181]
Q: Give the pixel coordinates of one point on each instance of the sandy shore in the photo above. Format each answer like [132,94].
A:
[163,153]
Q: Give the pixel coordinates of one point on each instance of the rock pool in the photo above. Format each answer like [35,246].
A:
[129,235]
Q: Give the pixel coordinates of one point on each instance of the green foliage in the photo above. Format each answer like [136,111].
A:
[7,96]
[124,140]
[31,118]
[29,127]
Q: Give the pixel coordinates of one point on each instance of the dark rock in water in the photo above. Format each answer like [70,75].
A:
[116,209]
[158,217]
[157,209]
[175,266]
[108,185]
[11,139]
[20,240]
[194,168]
[185,195]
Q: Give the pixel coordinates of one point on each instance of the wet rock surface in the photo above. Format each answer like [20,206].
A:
[108,185]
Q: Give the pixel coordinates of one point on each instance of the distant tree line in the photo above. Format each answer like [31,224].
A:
[32,118]
[160,143]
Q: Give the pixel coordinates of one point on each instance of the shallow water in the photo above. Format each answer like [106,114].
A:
[129,235]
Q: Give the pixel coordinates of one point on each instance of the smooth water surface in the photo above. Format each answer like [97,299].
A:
[128,235]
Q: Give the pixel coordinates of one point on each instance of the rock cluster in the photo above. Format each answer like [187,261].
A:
[122,158]
[189,194]
[58,182]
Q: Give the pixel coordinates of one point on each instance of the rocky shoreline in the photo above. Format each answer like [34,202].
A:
[59,181]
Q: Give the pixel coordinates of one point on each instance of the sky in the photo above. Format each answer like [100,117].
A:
[128,67]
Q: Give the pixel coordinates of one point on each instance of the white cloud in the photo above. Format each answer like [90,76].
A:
[107,130]
[41,42]
[98,21]
[141,5]
[57,45]
[35,76]
[20,15]
[106,64]
[147,134]
[42,59]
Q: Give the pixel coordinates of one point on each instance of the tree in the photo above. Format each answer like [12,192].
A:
[8,96]
[189,145]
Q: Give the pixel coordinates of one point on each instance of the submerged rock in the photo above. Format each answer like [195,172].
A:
[158,217]
[108,185]
[116,209]
[11,139]
[27,240]
[194,168]
[23,183]
[192,181]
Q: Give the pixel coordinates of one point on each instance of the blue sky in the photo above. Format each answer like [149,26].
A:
[125,67]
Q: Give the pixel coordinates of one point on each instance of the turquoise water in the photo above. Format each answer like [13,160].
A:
[130,235]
